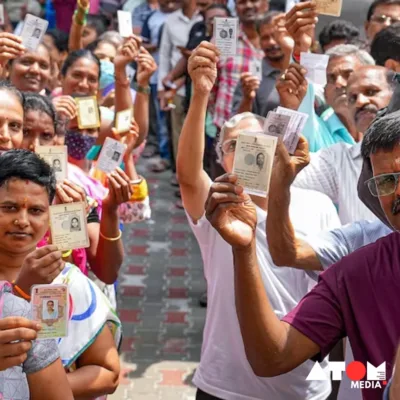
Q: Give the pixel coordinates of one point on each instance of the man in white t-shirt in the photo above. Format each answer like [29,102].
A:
[224,372]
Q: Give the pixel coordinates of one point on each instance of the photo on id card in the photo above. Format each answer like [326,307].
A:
[68,226]
[88,112]
[49,305]
[226,35]
[111,156]
[254,157]
[33,31]
[57,158]
[329,7]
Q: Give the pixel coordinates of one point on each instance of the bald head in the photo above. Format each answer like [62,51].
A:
[369,89]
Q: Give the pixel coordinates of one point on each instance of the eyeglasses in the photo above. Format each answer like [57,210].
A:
[229,146]
[383,185]
[383,19]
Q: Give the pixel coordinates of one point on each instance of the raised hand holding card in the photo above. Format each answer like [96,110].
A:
[254,157]
[125,23]
[56,157]
[50,307]
[33,31]
[226,35]
[88,112]
[68,226]
[111,156]
[315,64]
[123,120]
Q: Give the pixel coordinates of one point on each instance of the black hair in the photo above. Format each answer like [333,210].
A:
[266,19]
[60,39]
[6,86]
[386,45]
[378,3]
[37,102]
[28,166]
[98,23]
[74,56]
[338,30]
[219,7]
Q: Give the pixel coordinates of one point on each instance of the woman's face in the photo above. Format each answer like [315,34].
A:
[24,216]
[11,121]
[105,51]
[38,130]
[32,71]
[82,78]
[74,223]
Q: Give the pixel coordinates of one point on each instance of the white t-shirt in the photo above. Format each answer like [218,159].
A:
[224,370]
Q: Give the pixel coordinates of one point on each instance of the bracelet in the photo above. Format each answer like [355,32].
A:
[79,21]
[20,292]
[142,89]
[66,254]
[112,239]
[140,190]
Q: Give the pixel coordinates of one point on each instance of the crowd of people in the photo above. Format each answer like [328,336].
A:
[307,274]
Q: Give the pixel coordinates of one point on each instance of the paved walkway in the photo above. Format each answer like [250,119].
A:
[160,284]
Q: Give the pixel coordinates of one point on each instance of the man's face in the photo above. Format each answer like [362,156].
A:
[260,160]
[248,11]
[231,135]
[50,306]
[168,6]
[271,48]
[338,72]
[383,16]
[387,162]
[367,92]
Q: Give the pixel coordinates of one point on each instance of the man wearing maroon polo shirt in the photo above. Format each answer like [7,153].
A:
[358,297]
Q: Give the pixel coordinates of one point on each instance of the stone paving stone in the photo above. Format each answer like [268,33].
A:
[159,287]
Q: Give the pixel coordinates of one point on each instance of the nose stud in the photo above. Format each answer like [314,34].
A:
[16,222]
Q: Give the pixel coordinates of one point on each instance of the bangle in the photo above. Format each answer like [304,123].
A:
[66,254]
[142,89]
[20,292]
[140,190]
[296,57]
[112,239]
[78,21]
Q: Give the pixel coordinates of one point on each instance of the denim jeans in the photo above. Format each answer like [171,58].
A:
[162,130]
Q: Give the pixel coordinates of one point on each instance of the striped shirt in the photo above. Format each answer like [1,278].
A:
[229,71]
[334,171]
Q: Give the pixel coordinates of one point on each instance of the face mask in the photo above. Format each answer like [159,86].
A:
[78,145]
[107,74]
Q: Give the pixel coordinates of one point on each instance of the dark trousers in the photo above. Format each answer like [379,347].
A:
[200,395]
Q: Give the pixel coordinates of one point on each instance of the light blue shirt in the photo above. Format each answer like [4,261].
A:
[332,246]
[323,131]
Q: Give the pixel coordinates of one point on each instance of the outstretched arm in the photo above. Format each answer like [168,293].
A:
[193,180]
[286,249]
